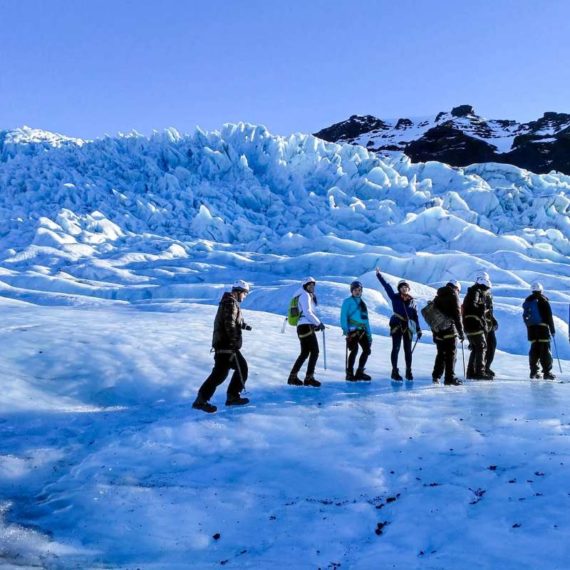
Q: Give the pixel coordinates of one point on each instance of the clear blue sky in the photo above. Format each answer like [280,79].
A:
[92,67]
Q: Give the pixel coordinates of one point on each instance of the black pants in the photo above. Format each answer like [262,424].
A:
[491,347]
[353,341]
[397,337]
[540,351]
[445,358]
[309,349]
[477,358]
[223,363]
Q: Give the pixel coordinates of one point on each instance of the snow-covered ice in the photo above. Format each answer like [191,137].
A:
[105,464]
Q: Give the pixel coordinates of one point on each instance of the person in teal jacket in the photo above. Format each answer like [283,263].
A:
[356,328]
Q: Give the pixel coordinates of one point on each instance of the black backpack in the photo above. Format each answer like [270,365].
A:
[531,313]
[436,320]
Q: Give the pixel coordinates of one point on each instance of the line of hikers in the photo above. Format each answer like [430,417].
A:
[448,319]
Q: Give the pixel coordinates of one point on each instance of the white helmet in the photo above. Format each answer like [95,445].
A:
[536,286]
[483,279]
[308,280]
[240,285]
[455,284]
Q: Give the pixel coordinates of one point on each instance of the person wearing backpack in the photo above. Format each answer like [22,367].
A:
[478,323]
[402,324]
[447,303]
[227,342]
[307,325]
[356,327]
[537,315]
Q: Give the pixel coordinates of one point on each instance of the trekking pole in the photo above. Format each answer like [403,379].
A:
[324,350]
[414,347]
[238,368]
[346,355]
[463,355]
[556,352]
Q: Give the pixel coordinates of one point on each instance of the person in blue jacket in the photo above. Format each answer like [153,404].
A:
[403,323]
[356,328]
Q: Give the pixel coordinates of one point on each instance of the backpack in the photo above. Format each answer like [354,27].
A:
[436,320]
[294,313]
[531,313]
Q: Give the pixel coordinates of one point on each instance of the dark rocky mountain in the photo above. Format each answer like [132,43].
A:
[461,137]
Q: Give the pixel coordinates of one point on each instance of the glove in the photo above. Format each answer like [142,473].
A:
[419,335]
[461,337]
[320,327]
[247,327]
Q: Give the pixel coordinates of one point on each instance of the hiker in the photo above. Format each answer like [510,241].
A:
[403,323]
[226,343]
[447,303]
[478,323]
[356,327]
[307,326]
[537,316]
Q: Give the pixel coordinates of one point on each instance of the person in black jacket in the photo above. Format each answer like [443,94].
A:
[447,302]
[540,327]
[478,322]
[227,342]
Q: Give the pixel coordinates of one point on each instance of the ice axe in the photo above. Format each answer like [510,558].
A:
[324,349]
[238,368]
[556,352]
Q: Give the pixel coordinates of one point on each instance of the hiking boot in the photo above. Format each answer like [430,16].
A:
[361,375]
[482,376]
[350,376]
[453,381]
[396,375]
[409,375]
[490,372]
[236,400]
[310,381]
[435,379]
[200,404]
[549,376]
[294,380]
[535,375]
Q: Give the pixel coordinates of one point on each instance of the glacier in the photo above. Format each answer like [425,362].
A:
[134,218]
[114,255]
